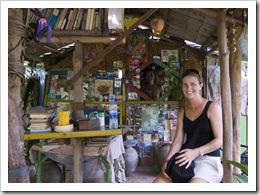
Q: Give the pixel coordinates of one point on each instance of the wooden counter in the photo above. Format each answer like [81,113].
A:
[72,134]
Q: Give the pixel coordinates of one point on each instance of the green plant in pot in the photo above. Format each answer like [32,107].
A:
[243,177]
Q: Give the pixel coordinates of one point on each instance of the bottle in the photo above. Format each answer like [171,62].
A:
[113,116]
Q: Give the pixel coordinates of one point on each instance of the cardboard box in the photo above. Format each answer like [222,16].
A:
[88,124]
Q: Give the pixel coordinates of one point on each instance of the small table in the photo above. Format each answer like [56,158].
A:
[76,139]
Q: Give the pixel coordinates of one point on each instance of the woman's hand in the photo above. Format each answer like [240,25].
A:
[186,157]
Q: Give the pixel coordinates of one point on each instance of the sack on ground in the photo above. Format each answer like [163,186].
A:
[179,174]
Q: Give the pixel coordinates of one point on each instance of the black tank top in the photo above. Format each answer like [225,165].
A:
[205,135]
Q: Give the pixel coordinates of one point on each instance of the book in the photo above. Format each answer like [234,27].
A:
[60,18]
[73,18]
[48,129]
[100,18]
[54,17]
[69,18]
[49,13]
[40,120]
[88,18]
[42,109]
[91,19]
[41,116]
[80,18]
[43,126]
[83,25]
[96,20]
[65,20]
[76,17]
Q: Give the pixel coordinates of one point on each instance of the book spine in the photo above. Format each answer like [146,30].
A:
[96,19]
[88,18]
[92,18]
[83,26]
[65,20]
[100,18]
[49,13]
[60,18]
[69,19]
[54,17]
[79,22]
[74,16]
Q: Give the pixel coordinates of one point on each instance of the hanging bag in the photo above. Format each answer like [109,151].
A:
[179,174]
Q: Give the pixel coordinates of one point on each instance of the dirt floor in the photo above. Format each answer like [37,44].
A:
[143,174]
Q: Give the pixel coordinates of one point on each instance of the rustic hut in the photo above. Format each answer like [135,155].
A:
[212,31]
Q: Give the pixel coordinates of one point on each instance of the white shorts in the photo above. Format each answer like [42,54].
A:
[208,168]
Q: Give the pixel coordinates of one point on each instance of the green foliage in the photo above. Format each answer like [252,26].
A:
[241,178]
[173,77]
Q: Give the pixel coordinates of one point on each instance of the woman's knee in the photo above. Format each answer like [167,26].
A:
[162,179]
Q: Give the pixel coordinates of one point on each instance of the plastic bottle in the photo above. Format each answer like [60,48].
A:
[113,116]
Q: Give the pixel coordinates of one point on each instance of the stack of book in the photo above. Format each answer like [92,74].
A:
[41,118]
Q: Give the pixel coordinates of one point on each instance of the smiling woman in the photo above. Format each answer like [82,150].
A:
[206,151]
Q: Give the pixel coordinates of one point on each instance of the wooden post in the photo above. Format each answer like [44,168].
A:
[235,80]
[78,97]
[225,94]
[18,171]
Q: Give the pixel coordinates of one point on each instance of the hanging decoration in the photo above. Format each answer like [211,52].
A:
[157,25]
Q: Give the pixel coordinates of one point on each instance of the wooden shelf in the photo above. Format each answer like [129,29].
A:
[79,38]
[76,32]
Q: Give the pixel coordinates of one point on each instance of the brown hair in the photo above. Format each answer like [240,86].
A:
[192,72]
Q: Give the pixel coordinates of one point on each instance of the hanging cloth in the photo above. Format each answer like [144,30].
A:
[43,26]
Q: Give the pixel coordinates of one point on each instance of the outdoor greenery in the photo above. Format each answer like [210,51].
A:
[243,177]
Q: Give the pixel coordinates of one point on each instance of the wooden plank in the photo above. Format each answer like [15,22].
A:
[111,46]
[72,134]
[81,39]
[76,33]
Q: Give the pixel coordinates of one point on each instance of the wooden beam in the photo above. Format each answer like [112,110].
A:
[81,39]
[111,46]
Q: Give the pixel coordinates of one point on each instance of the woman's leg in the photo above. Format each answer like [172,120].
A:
[198,180]
[162,179]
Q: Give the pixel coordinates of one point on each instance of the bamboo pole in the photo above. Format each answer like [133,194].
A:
[225,93]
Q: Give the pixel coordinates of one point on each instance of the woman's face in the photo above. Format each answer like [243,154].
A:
[191,86]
